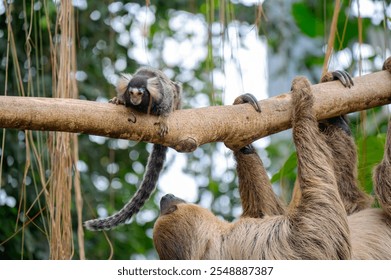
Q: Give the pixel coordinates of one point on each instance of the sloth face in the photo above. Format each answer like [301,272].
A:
[168,203]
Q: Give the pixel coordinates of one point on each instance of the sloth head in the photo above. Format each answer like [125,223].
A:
[183,230]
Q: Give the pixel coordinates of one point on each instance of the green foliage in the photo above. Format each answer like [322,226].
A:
[306,19]
[370,150]
[287,171]
[309,18]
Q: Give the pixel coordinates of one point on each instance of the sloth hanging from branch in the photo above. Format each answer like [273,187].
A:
[329,218]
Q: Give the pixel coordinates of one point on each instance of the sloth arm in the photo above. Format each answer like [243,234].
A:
[382,172]
[319,222]
[256,193]
[382,176]
[343,155]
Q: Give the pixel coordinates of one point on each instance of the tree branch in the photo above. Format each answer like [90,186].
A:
[236,125]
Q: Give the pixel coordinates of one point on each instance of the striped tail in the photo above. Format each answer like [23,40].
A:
[154,166]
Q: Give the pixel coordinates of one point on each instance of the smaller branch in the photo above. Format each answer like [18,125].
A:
[333,31]
[236,126]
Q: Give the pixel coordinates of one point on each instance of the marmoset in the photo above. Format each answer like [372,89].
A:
[148,91]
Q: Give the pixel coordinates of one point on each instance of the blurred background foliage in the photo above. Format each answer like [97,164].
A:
[187,39]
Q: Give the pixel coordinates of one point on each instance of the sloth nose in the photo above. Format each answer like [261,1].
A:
[167,200]
[169,196]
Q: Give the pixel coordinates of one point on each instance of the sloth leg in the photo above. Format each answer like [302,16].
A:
[256,193]
[382,176]
[382,172]
[319,221]
[344,155]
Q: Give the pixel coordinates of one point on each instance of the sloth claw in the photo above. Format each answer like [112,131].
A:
[248,98]
[247,150]
[347,81]
[344,77]
[339,75]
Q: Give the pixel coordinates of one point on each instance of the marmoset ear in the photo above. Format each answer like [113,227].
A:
[153,86]
[123,82]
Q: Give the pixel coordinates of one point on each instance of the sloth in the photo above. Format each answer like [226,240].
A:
[338,137]
[315,228]
[370,228]
[259,233]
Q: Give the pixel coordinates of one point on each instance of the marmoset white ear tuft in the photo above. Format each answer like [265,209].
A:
[153,86]
[123,82]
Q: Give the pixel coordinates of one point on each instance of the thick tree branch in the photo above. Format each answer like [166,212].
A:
[236,125]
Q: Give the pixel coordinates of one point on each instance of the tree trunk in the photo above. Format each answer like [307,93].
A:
[236,125]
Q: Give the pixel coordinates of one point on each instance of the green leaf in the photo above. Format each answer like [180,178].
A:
[370,153]
[287,170]
[306,20]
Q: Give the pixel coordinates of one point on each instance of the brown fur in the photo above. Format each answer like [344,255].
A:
[370,229]
[382,182]
[344,157]
[314,229]
[382,177]
[255,187]
[338,138]
[197,234]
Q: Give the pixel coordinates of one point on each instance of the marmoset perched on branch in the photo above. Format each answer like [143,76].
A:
[148,91]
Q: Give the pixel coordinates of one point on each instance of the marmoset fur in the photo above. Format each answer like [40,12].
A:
[148,91]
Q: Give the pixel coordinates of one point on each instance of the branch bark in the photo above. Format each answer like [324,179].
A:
[236,125]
